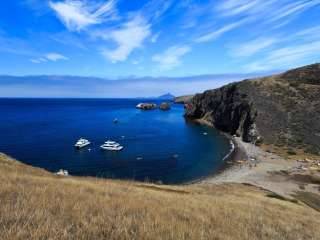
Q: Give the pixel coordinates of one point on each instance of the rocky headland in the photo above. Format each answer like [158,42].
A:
[281,110]
[275,125]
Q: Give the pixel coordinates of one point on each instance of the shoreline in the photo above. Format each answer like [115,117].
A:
[251,165]
[236,153]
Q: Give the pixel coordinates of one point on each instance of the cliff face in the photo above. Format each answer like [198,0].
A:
[282,109]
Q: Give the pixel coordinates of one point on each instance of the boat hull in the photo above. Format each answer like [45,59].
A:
[115,149]
[82,145]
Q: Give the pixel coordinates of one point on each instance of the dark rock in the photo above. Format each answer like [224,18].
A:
[268,108]
[165,106]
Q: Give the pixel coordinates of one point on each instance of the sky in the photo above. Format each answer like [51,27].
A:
[119,39]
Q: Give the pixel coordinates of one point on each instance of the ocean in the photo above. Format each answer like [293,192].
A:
[159,146]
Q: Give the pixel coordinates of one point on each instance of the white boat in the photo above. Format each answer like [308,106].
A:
[82,143]
[62,172]
[111,146]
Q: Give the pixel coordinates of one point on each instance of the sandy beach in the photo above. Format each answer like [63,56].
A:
[254,166]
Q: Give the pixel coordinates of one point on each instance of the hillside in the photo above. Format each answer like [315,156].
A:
[183,99]
[35,204]
[283,110]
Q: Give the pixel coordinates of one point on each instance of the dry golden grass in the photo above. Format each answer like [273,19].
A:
[34,204]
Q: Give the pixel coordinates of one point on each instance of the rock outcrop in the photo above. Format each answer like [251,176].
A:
[165,106]
[147,106]
[283,109]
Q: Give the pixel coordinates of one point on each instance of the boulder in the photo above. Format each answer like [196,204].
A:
[165,106]
[147,106]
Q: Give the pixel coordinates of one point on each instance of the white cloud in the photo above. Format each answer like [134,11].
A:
[219,32]
[269,11]
[155,37]
[231,7]
[77,14]
[294,8]
[252,47]
[35,61]
[128,37]
[289,56]
[308,34]
[171,57]
[54,57]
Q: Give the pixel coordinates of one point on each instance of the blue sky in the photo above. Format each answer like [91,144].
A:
[121,38]
[155,38]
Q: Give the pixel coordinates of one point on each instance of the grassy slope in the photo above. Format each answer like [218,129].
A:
[34,204]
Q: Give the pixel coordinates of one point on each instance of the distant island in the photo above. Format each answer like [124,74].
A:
[167,96]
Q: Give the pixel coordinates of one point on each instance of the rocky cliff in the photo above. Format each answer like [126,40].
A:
[183,99]
[282,109]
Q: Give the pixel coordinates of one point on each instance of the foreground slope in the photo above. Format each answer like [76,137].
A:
[282,109]
[35,204]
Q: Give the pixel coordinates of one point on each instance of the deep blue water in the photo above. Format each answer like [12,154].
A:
[42,132]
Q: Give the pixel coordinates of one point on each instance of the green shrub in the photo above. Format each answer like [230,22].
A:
[291,152]
[312,150]
[294,84]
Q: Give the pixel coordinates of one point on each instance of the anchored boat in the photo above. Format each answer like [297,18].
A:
[82,143]
[111,146]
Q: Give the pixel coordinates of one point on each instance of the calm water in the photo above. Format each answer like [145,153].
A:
[42,132]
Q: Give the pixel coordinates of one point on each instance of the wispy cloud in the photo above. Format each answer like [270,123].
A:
[253,47]
[155,37]
[292,9]
[77,15]
[154,10]
[171,57]
[128,37]
[270,11]
[284,57]
[54,57]
[219,32]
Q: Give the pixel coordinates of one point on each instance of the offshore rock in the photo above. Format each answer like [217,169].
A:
[165,106]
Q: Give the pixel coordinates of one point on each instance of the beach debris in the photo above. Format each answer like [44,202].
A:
[175,156]
[240,161]
[62,172]
[139,158]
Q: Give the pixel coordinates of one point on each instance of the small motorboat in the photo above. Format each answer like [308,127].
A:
[82,143]
[115,120]
[111,146]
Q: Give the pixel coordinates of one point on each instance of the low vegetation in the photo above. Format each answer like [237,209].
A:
[35,204]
